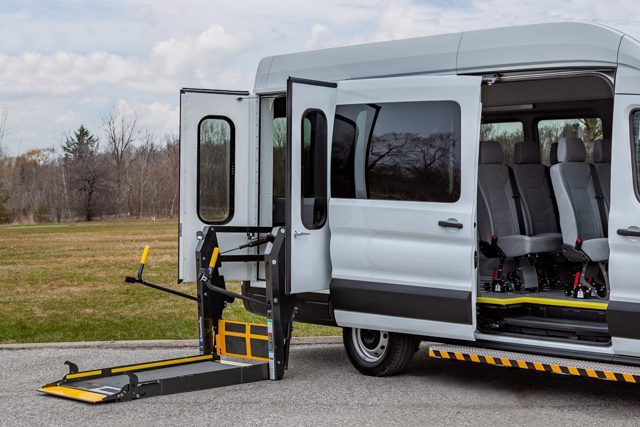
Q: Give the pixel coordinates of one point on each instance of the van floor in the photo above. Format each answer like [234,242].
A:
[555,297]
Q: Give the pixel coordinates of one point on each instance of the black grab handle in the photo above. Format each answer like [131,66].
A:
[450,224]
[628,233]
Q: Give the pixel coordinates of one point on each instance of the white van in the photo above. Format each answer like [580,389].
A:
[478,189]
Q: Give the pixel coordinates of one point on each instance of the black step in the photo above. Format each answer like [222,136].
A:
[564,325]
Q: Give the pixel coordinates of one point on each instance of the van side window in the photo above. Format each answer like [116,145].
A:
[589,129]
[342,158]
[215,169]
[635,149]
[508,134]
[397,151]
[314,166]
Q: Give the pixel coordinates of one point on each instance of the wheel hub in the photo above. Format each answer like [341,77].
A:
[370,345]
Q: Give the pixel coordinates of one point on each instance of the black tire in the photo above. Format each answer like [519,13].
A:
[393,359]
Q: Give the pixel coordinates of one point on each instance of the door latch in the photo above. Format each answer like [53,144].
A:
[297,234]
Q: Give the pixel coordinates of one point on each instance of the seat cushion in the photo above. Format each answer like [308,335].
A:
[596,249]
[515,246]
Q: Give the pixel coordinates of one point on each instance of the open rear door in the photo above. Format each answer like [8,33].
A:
[218,170]
[311,106]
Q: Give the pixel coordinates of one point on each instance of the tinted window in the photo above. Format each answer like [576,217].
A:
[635,149]
[508,134]
[342,158]
[397,151]
[215,171]
[279,146]
[314,166]
[550,131]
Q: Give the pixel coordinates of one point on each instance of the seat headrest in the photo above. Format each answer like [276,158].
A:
[526,153]
[571,149]
[602,151]
[553,153]
[490,153]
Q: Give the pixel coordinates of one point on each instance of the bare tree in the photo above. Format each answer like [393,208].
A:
[121,130]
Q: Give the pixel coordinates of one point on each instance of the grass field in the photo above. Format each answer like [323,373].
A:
[64,282]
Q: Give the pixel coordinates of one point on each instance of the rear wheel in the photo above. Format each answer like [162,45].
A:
[379,353]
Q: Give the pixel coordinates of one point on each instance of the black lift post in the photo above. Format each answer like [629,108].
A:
[214,295]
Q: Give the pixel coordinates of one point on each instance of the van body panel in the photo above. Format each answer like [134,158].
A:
[403,325]
[529,47]
[435,54]
[557,45]
[628,73]
[624,308]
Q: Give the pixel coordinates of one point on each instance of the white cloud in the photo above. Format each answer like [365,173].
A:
[63,63]
[318,34]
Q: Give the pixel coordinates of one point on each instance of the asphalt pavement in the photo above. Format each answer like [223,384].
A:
[320,388]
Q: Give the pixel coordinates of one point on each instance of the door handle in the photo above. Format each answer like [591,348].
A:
[297,234]
[629,232]
[450,223]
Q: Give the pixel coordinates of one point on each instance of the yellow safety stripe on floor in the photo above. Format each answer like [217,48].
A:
[148,365]
[537,366]
[242,332]
[74,393]
[83,374]
[162,363]
[544,301]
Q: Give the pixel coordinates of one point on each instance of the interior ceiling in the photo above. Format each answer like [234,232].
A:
[545,91]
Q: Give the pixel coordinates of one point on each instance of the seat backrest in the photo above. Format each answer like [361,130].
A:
[602,163]
[553,154]
[497,214]
[575,193]
[535,191]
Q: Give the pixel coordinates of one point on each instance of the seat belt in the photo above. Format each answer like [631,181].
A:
[553,197]
[517,200]
[600,198]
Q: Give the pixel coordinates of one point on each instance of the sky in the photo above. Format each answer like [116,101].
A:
[68,62]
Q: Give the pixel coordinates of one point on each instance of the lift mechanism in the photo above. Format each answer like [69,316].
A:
[262,348]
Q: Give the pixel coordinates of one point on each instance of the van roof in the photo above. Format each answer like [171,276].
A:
[528,47]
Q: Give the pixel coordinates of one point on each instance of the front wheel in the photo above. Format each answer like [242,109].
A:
[379,353]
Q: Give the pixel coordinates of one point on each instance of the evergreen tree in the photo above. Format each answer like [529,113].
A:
[81,145]
[85,173]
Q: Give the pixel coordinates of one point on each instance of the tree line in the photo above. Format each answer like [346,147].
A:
[130,172]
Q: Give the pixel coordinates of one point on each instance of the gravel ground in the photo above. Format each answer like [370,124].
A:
[321,387]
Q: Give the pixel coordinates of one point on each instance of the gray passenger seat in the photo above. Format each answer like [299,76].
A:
[580,221]
[498,226]
[535,190]
[602,165]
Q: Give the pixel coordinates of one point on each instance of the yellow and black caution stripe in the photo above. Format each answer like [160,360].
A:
[535,366]
[243,340]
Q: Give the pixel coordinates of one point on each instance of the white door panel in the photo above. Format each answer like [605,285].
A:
[237,108]
[403,242]
[624,215]
[308,246]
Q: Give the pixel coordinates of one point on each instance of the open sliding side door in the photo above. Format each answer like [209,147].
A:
[310,111]
[403,204]
[218,175]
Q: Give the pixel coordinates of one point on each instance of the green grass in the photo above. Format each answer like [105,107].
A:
[64,282]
